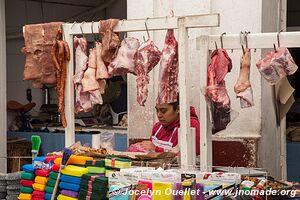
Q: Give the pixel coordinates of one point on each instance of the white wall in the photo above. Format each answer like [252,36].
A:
[3,162]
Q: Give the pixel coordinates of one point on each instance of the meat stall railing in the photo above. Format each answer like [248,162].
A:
[207,43]
[182,23]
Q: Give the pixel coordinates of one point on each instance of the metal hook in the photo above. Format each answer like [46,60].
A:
[278,42]
[124,38]
[246,38]
[216,45]
[242,40]
[73,24]
[221,39]
[92,29]
[81,29]
[147,29]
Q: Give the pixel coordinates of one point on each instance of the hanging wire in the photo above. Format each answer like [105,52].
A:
[146,30]
[92,29]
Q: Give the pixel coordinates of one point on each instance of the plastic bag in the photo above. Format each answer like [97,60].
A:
[107,141]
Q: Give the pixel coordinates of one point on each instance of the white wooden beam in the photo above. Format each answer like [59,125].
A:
[3,121]
[184,101]
[255,40]
[205,123]
[160,23]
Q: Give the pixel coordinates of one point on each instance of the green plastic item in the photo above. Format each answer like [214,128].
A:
[53,175]
[49,189]
[96,170]
[27,176]
[26,190]
[51,182]
[96,163]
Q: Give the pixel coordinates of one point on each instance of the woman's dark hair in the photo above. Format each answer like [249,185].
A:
[175,104]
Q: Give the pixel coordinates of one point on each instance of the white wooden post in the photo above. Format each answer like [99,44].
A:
[69,91]
[184,100]
[3,121]
[205,123]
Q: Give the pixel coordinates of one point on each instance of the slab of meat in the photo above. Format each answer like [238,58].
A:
[101,71]
[243,87]
[82,100]
[276,65]
[60,56]
[168,72]
[145,59]
[216,92]
[124,62]
[110,40]
[89,81]
[39,66]
[81,58]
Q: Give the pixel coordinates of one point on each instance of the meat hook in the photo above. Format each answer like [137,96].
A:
[124,37]
[92,29]
[242,40]
[73,24]
[81,29]
[278,41]
[246,38]
[147,29]
[216,45]
[221,39]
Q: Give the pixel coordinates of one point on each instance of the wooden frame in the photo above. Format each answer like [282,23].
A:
[233,41]
[161,23]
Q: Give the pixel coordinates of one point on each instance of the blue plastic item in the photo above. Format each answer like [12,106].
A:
[69,186]
[28,168]
[70,179]
[48,196]
[40,158]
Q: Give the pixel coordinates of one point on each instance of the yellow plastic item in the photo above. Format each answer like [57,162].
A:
[39,187]
[162,191]
[72,170]
[63,197]
[119,163]
[41,180]
[23,196]
[74,160]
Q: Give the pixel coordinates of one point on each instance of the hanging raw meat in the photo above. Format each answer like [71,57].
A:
[243,87]
[110,40]
[89,81]
[60,56]
[124,62]
[82,100]
[216,92]
[276,65]
[168,72]
[39,66]
[101,72]
[145,59]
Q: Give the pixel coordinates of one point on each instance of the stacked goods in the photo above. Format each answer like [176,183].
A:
[27,180]
[93,187]
[40,181]
[50,184]
[70,181]
[3,186]
[113,164]
[13,185]
[75,160]
[96,167]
